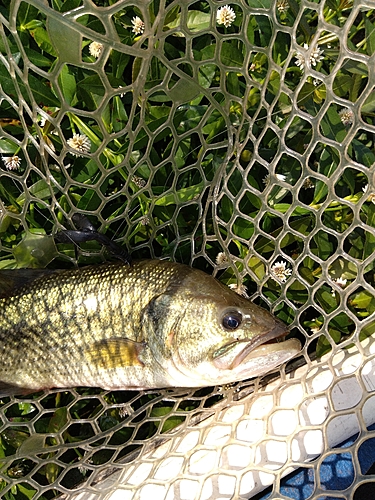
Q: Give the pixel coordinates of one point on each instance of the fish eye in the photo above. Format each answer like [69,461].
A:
[232,320]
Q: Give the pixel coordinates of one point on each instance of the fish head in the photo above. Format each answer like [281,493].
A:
[221,337]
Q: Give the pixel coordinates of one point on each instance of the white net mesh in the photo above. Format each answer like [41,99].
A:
[238,139]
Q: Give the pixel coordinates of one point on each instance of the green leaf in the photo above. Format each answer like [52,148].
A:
[243,228]
[26,490]
[370,36]
[369,243]
[41,37]
[367,331]
[195,21]
[324,345]
[58,420]
[230,54]
[343,268]
[260,4]
[265,30]
[181,196]
[66,40]
[326,300]
[119,115]
[8,147]
[172,422]
[257,266]
[89,201]
[40,189]
[362,153]
[13,437]
[92,84]
[306,93]
[26,13]
[119,63]
[37,58]
[184,90]
[369,104]
[355,67]
[136,68]
[67,84]
[85,170]
[34,444]
[363,300]
[324,246]
[42,94]
[331,125]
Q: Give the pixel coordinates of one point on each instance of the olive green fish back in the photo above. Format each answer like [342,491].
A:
[235,138]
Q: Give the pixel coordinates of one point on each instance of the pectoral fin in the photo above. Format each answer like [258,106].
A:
[115,353]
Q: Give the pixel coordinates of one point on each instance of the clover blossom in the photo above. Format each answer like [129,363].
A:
[81,143]
[225,15]
[280,271]
[12,162]
[315,57]
[138,25]
[95,49]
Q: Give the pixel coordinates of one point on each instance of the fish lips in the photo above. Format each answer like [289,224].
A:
[234,354]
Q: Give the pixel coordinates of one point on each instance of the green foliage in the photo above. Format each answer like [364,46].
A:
[204,139]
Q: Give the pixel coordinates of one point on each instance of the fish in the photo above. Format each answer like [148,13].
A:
[153,324]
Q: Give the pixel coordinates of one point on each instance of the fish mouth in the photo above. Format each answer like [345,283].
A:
[272,339]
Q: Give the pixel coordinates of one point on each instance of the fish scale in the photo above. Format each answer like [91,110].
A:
[153,324]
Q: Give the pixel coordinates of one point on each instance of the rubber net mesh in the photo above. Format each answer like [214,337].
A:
[235,138]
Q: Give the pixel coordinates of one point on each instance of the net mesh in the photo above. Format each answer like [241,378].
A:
[235,138]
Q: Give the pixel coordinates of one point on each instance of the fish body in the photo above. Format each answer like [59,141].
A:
[150,325]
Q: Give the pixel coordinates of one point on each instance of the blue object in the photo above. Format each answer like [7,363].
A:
[336,472]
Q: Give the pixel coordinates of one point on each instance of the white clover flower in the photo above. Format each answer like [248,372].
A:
[81,143]
[300,59]
[225,15]
[315,57]
[95,49]
[341,282]
[314,329]
[138,25]
[123,411]
[12,162]
[221,258]
[280,271]
[282,5]
[240,289]
[346,116]
[267,178]
[369,196]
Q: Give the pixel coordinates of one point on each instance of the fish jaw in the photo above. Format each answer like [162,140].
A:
[249,361]
[239,351]
[255,356]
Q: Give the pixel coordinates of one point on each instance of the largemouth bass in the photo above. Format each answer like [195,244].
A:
[150,325]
